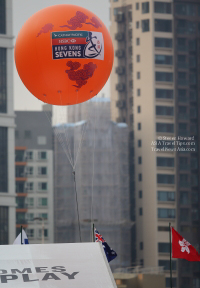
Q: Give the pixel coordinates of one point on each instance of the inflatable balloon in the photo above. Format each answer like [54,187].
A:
[64,54]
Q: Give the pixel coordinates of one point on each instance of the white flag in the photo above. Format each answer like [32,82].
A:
[18,239]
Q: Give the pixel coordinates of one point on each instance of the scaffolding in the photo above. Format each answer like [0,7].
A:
[102,178]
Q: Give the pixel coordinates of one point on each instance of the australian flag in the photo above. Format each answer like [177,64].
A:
[110,253]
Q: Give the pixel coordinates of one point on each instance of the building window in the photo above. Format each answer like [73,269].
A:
[45,233]
[139,109]
[30,202]
[138,58]
[29,155]
[4,223]
[44,216]
[42,186]
[186,27]
[30,233]
[3,77]
[165,162]
[139,160]
[174,282]
[30,216]
[163,247]
[166,264]
[166,213]
[162,7]
[3,159]
[2,17]
[137,6]
[164,110]
[137,24]
[42,202]
[19,186]
[139,177]
[163,228]
[141,245]
[165,179]
[138,75]
[185,9]
[42,170]
[27,134]
[140,211]
[166,196]
[163,42]
[145,25]
[138,92]
[162,25]
[145,7]
[42,155]
[29,170]
[140,194]
[29,186]
[139,143]
[184,215]
[164,76]
[163,59]
[164,93]
[139,126]
[165,127]
[115,11]
[137,41]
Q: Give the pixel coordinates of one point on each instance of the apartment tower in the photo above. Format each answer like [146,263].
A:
[154,89]
[7,183]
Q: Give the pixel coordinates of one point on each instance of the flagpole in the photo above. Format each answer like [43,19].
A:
[21,235]
[170,249]
[93,240]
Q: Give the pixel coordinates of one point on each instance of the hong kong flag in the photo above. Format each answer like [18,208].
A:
[181,248]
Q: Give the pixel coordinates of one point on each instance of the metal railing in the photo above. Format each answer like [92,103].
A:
[140,270]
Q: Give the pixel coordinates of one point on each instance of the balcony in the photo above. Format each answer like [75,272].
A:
[119,36]
[121,120]
[121,104]
[121,87]
[120,53]
[120,70]
[120,17]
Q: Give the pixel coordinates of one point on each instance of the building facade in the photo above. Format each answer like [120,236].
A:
[156,53]
[34,175]
[102,180]
[7,183]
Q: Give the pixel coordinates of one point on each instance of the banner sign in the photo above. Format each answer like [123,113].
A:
[55,265]
[77,44]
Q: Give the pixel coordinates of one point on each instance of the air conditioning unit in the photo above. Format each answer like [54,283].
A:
[121,120]
[121,104]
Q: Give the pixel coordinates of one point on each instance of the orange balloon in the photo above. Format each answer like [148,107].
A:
[64,54]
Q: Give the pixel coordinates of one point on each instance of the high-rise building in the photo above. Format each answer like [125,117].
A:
[102,180]
[155,83]
[34,175]
[7,180]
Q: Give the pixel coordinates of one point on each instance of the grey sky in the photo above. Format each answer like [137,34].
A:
[22,10]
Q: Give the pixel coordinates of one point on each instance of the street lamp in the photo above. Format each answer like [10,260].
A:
[41,219]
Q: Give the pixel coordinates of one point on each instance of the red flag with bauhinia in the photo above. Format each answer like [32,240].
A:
[181,248]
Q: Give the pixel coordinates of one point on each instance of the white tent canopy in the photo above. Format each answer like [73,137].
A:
[78,265]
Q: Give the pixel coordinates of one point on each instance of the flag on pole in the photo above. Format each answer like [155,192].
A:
[181,248]
[110,253]
[24,239]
